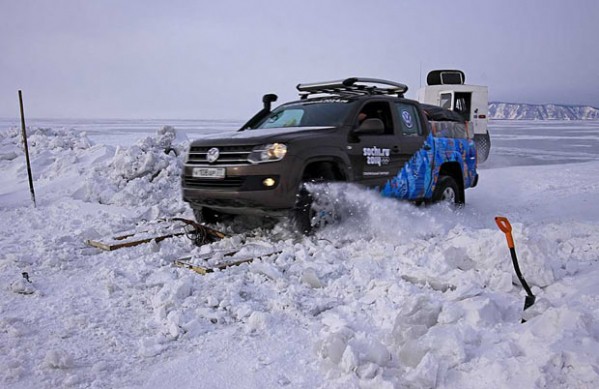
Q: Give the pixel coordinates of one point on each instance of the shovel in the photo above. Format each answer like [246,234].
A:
[505,226]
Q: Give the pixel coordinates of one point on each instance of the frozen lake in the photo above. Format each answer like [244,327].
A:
[520,143]
[126,132]
[514,142]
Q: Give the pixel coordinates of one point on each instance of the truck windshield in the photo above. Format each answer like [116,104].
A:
[308,114]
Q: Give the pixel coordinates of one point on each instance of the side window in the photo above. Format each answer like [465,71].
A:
[377,110]
[409,121]
[446,100]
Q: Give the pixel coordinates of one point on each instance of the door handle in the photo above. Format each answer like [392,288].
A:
[395,149]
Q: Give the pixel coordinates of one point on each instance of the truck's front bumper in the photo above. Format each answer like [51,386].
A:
[245,189]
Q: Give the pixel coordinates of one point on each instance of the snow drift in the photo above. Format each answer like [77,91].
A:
[393,295]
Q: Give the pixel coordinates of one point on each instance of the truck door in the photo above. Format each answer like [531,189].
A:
[375,158]
[412,178]
[411,130]
[480,108]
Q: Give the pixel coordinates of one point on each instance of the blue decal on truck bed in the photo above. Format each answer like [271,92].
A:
[418,177]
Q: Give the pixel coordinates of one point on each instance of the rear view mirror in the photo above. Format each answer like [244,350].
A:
[371,127]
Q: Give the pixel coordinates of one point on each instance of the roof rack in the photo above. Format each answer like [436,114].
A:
[353,86]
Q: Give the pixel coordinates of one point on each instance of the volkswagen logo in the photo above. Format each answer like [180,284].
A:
[212,155]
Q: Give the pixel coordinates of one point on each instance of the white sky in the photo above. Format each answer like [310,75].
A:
[215,59]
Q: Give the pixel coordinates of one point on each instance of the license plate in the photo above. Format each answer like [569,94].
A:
[208,172]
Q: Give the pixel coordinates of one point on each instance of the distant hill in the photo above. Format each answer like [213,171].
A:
[542,111]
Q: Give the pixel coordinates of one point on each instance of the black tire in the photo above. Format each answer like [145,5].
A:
[314,209]
[301,214]
[483,146]
[207,215]
[447,190]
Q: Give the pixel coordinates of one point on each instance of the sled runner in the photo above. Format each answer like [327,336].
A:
[198,233]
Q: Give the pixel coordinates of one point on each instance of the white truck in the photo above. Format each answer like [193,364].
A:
[446,88]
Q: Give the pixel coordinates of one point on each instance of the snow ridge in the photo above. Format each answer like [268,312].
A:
[515,111]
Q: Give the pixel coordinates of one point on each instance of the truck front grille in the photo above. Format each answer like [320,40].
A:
[228,182]
[229,155]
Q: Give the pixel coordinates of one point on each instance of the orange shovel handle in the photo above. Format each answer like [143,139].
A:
[505,226]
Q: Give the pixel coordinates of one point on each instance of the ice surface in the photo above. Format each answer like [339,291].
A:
[390,296]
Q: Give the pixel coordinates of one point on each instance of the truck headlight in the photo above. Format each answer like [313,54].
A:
[268,153]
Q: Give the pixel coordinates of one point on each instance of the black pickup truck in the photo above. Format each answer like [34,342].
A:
[358,130]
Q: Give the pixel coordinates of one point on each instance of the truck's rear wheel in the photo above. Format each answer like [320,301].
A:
[447,191]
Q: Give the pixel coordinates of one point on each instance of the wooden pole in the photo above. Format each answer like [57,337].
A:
[24,133]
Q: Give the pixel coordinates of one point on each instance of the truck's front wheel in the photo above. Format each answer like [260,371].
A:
[302,214]
[314,208]
[207,215]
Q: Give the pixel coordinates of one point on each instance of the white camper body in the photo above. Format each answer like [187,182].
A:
[446,89]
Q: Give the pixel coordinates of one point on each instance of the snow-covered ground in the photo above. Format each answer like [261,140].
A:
[393,296]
